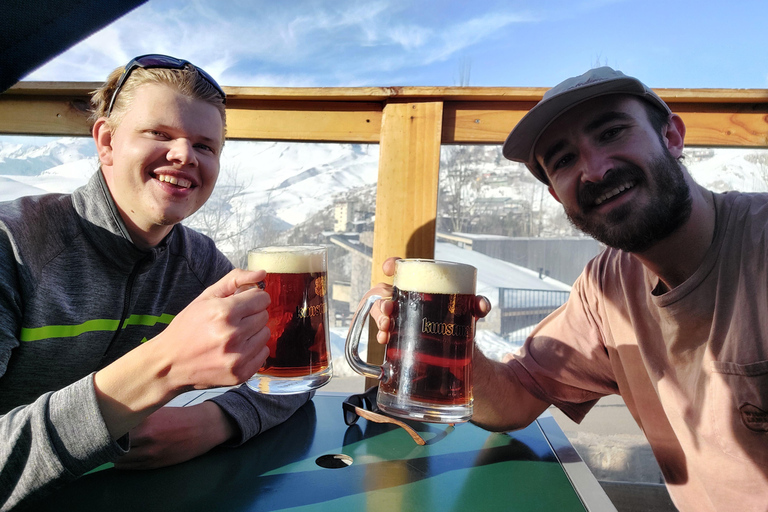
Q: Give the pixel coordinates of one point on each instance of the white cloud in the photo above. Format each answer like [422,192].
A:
[462,35]
[410,37]
[261,43]
[373,42]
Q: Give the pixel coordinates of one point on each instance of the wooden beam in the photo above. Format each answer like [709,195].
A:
[473,115]
[35,115]
[303,120]
[481,122]
[714,124]
[319,121]
[382,94]
[726,129]
[406,193]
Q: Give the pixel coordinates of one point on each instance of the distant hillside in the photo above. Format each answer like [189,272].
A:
[266,188]
[32,156]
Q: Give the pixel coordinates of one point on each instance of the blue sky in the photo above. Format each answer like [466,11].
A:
[350,43]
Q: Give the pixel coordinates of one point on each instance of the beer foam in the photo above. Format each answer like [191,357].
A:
[288,260]
[430,276]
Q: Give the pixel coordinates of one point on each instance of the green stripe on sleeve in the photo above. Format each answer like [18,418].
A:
[148,320]
[71,331]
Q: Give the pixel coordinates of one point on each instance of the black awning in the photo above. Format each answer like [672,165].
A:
[32,32]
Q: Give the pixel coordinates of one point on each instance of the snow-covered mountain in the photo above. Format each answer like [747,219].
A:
[32,156]
[725,169]
[297,180]
[290,183]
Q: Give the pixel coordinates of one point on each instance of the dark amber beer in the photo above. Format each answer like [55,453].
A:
[299,355]
[427,371]
[430,346]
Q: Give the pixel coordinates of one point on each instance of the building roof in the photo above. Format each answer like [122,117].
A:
[493,274]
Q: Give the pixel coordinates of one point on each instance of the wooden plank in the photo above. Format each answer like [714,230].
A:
[464,123]
[305,121]
[725,129]
[671,96]
[44,116]
[406,93]
[481,122]
[406,193]
[382,94]
[353,114]
[34,88]
[266,120]
[729,125]
[490,94]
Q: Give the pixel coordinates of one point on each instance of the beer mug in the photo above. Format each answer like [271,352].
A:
[427,370]
[299,345]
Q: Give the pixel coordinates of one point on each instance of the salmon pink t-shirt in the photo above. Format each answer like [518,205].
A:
[691,363]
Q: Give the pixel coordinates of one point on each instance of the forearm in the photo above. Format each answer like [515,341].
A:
[175,434]
[501,401]
[53,440]
[133,387]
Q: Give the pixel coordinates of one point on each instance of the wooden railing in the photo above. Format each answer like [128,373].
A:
[409,123]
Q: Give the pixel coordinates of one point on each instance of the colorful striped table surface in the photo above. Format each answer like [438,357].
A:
[314,462]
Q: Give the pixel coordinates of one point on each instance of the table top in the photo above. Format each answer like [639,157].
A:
[460,468]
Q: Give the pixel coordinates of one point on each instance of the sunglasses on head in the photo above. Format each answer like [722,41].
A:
[365,406]
[156,60]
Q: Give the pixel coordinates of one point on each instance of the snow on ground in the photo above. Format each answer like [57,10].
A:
[493,274]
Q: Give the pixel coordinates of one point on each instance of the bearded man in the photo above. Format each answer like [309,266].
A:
[671,316]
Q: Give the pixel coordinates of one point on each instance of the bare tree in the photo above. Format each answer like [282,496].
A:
[760,159]
[460,184]
[235,228]
[260,230]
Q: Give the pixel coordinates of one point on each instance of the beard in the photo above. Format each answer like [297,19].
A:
[625,227]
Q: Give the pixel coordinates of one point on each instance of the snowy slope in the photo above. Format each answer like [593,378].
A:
[294,180]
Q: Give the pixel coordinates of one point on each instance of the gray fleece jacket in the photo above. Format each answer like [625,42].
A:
[76,294]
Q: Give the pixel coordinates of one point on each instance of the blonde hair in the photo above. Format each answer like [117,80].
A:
[187,81]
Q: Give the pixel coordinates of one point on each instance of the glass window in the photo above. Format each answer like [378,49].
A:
[268,193]
[39,165]
[280,193]
[493,214]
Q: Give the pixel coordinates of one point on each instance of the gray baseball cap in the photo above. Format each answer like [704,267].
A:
[562,97]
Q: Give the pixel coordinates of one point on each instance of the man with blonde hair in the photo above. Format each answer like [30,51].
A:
[109,307]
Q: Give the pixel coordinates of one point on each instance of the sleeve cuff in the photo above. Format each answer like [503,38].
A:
[254,412]
[78,431]
[575,412]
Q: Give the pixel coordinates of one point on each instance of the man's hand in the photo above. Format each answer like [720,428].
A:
[218,340]
[176,434]
[501,402]
[381,312]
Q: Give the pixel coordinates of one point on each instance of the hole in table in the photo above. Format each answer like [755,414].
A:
[334,461]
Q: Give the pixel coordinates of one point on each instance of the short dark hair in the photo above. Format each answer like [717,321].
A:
[658,117]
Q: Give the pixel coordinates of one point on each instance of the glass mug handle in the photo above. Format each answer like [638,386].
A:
[353,340]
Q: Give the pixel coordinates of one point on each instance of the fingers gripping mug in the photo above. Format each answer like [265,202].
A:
[299,344]
[427,370]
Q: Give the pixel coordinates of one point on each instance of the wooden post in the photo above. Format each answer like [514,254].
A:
[406,193]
